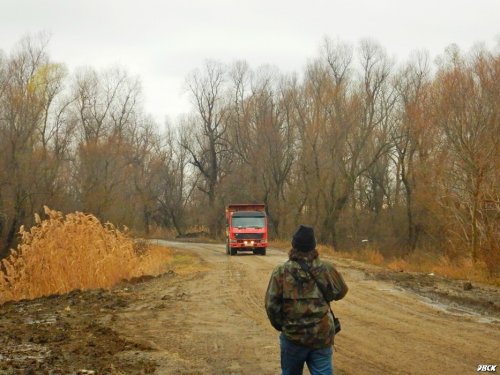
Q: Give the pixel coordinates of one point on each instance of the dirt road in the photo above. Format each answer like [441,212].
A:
[220,327]
[213,322]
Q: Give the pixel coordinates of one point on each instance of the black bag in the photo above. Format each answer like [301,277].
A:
[336,321]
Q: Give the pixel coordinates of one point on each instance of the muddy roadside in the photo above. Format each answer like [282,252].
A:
[461,297]
[74,333]
[133,328]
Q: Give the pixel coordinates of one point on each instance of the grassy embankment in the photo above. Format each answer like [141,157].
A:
[419,261]
[77,251]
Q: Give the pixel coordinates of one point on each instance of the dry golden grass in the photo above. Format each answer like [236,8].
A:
[157,232]
[155,260]
[280,244]
[461,269]
[419,261]
[75,251]
[367,255]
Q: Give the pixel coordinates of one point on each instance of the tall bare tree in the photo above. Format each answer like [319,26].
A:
[411,136]
[467,110]
[31,138]
[208,146]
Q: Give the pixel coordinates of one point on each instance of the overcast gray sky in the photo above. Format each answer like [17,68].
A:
[162,41]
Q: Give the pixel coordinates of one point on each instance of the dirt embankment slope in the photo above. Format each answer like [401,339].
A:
[212,321]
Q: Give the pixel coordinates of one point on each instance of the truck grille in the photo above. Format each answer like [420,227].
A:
[249,236]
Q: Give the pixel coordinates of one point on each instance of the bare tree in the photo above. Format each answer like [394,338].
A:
[467,111]
[28,132]
[410,134]
[112,142]
[177,182]
[208,146]
[342,125]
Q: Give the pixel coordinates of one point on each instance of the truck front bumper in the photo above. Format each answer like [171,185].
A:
[247,245]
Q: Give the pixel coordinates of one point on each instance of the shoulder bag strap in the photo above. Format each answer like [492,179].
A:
[306,269]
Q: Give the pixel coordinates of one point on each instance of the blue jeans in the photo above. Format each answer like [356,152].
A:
[293,357]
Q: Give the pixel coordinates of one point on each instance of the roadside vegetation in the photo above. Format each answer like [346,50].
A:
[420,261]
[76,251]
[426,262]
[401,155]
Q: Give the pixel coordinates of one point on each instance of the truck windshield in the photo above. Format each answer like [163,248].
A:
[248,222]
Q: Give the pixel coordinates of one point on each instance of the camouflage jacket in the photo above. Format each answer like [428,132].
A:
[296,306]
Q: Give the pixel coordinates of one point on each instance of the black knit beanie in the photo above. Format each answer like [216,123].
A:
[303,239]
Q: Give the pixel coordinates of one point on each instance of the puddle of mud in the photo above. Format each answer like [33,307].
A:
[446,307]
[390,290]
[45,320]
[458,311]
[24,352]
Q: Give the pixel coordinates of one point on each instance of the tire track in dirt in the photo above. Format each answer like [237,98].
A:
[215,323]
[218,327]
[389,330]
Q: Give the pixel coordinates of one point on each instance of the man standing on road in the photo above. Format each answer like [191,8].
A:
[297,304]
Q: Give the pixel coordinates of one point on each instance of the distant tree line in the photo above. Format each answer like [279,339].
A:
[360,147]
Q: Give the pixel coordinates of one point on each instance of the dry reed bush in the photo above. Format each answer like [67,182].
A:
[367,255]
[372,256]
[462,268]
[418,261]
[399,264]
[76,251]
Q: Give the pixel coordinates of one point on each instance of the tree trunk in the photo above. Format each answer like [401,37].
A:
[147,216]
[475,233]
[413,231]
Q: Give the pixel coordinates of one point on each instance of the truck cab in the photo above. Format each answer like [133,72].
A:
[246,228]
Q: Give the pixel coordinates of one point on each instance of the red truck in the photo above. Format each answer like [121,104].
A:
[246,228]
